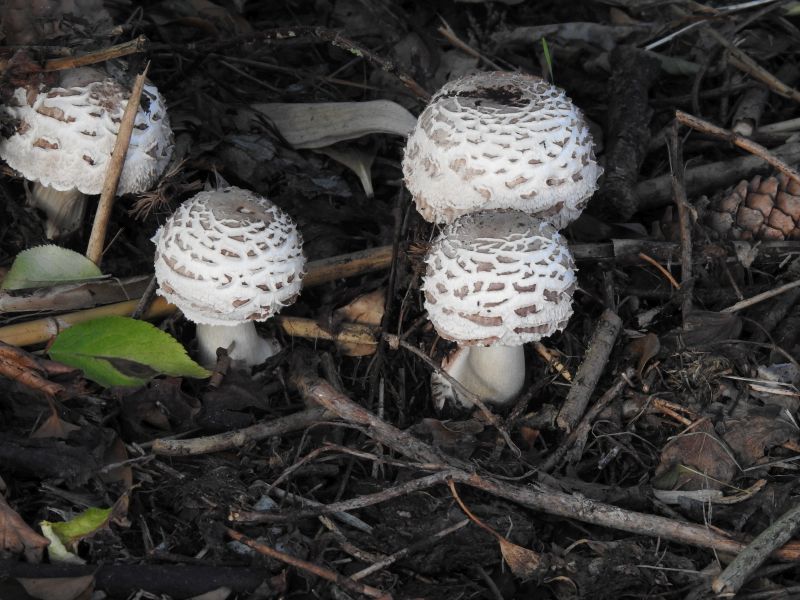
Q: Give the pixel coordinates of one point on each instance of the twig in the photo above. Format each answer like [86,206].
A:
[447,33]
[684,220]
[98,56]
[761,297]
[742,567]
[238,438]
[97,238]
[146,300]
[737,140]
[592,367]
[667,275]
[656,192]
[577,437]
[395,342]
[546,500]
[319,272]
[412,548]
[743,62]
[552,360]
[332,576]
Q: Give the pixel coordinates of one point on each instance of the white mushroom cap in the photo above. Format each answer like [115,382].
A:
[65,135]
[229,256]
[499,277]
[501,140]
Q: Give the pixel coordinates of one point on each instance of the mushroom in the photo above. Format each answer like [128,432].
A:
[227,258]
[494,281]
[63,138]
[501,140]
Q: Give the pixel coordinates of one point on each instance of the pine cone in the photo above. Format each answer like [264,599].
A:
[761,209]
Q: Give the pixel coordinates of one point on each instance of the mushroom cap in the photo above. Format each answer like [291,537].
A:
[500,140]
[227,256]
[64,135]
[499,278]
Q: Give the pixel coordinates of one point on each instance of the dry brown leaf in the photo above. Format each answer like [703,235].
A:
[16,536]
[59,588]
[644,348]
[751,438]
[524,563]
[54,427]
[117,453]
[696,459]
[366,309]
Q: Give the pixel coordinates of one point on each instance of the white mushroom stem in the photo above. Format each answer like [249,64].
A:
[245,347]
[496,374]
[64,210]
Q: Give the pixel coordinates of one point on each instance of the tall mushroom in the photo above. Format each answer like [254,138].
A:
[227,258]
[494,281]
[63,138]
[499,140]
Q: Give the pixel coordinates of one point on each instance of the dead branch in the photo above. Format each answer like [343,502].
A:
[97,238]
[340,580]
[238,438]
[684,220]
[594,363]
[747,562]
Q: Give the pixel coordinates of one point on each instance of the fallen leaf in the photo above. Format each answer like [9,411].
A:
[694,460]
[524,563]
[644,348]
[366,309]
[320,124]
[54,426]
[59,588]
[16,536]
[752,437]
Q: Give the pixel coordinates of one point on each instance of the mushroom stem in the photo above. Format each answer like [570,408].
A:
[245,347]
[64,210]
[496,374]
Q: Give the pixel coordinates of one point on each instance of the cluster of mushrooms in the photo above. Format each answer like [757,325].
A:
[502,160]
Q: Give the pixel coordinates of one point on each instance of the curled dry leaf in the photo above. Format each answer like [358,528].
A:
[366,309]
[644,348]
[320,124]
[17,537]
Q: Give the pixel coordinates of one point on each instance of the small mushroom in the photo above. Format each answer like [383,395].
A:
[501,140]
[63,138]
[494,281]
[226,258]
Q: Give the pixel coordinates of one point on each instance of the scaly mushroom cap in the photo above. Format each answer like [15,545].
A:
[501,140]
[229,256]
[499,278]
[64,135]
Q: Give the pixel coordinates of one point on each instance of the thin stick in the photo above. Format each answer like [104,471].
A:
[98,56]
[236,439]
[743,62]
[303,565]
[592,367]
[97,238]
[748,302]
[552,360]
[737,140]
[747,562]
[545,500]
[679,196]
[667,275]
[319,272]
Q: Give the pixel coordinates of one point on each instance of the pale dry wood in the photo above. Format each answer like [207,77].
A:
[97,238]
[318,272]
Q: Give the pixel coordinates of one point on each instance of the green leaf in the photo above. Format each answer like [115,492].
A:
[122,351]
[548,59]
[81,526]
[48,265]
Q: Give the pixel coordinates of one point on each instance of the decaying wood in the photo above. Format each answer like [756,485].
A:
[627,135]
